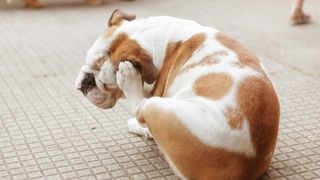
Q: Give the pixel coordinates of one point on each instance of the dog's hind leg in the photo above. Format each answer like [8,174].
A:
[160,116]
[183,129]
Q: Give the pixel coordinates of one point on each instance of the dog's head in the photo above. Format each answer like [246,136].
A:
[97,79]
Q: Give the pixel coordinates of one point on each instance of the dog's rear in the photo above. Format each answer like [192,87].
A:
[219,116]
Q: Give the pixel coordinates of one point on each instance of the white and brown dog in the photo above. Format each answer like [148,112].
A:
[207,101]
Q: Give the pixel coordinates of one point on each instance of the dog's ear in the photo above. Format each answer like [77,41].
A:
[118,16]
[148,71]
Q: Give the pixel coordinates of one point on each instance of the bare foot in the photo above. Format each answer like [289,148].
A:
[299,17]
[33,4]
[95,2]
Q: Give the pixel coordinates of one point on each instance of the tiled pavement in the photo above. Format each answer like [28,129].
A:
[50,131]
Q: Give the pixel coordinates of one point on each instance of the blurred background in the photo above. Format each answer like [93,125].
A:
[48,130]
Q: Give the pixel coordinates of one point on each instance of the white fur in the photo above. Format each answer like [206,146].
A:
[79,79]
[130,82]
[136,128]
[107,75]
[98,50]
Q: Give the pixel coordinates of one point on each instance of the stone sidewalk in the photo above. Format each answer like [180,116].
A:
[48,130]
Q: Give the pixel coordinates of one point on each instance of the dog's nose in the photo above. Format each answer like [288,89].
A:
[87,83]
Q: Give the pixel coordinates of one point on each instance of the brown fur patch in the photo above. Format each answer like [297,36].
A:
[213,86]
[177,54]
[235,118]
[118,40]
[194,159]
[258,101]
[246,58]
[207,60]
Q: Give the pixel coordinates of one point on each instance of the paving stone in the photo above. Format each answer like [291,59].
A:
[48,130]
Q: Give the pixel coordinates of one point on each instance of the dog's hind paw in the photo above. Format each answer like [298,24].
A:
[136,128]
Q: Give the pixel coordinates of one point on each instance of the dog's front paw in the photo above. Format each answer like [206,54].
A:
[129,80]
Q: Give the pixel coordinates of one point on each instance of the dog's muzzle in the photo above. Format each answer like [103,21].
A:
[86,83]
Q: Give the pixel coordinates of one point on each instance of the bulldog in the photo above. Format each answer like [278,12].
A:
[205,99]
